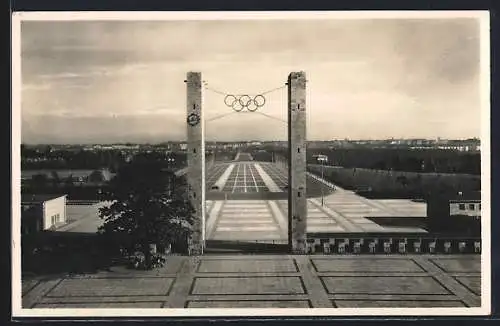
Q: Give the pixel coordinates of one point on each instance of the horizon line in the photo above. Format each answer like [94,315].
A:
[248,140]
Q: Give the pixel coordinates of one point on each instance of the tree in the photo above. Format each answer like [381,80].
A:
[55,178]
[96,176]
[39,181]
[149,206]
[69,181]
[403,180]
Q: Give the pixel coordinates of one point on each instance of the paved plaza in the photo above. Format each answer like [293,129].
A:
[342,211]
[245,177]
[245,220]
[264,220]
[270,281]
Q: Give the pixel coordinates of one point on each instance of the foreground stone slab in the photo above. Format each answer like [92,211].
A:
[472,283]
[396,304]
[248,285]
[383,285]
[269,281]
[101,305]
[247,266]
[458,264]
[357,265]
[249,304]
[112,287]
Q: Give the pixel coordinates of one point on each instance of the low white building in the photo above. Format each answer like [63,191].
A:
[470,207]
[460,211]
[42,212]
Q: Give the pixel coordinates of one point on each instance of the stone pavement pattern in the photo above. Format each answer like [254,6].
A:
[344,211]
[271,281]
[260,220]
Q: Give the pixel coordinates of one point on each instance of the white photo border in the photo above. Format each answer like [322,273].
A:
[483,16]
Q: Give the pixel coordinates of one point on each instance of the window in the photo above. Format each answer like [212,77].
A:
[461,207]
[54,219]
[472,207]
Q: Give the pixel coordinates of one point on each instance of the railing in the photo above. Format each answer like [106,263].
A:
[397,244]
[82,202]
[361,244]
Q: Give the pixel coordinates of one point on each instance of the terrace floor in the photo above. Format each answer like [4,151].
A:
[270,281]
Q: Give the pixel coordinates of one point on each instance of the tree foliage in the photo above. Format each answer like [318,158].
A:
[39,182]
[148,206]
[407,160]
[96,176]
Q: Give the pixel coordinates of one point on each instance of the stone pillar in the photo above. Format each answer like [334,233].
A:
[297,199]
[196,160]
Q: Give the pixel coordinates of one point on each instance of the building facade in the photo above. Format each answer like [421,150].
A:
[457,213]
[42,212]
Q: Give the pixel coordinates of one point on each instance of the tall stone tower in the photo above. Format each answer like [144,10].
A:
[297,199]
[196,159]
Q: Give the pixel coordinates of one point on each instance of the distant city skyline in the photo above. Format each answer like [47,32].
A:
[253,140]
[122,81]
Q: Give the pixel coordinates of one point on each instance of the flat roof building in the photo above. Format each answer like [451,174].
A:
[455,212]
[42,212]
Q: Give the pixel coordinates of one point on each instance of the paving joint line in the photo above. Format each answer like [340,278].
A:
[182,285]
[448,282]
[312,283]
[338,217]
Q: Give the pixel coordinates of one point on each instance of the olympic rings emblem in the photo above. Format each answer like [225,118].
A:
[240,102]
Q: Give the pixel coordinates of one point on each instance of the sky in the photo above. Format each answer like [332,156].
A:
[123,81]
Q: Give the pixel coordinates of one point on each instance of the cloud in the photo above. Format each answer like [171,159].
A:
[367,78]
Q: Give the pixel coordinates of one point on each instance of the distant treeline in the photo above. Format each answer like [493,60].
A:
[427,160]
[41,183]
[224,155]
[51,159]
[407,160]
[262,156]
[74,192]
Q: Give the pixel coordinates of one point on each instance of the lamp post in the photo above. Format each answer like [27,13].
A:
[170,161]
[322,159]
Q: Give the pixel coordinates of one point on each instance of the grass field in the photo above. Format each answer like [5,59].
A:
[398,184]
